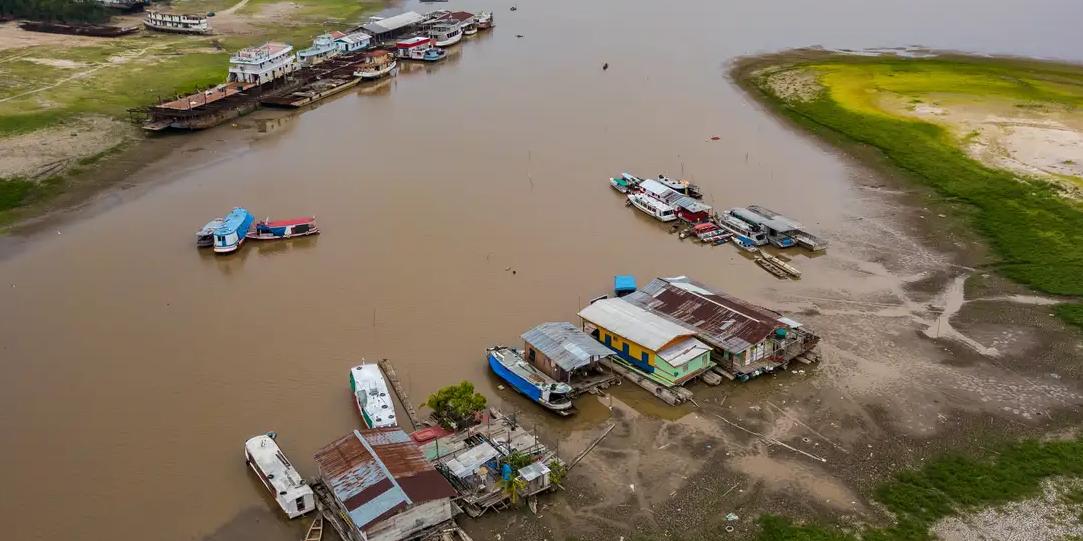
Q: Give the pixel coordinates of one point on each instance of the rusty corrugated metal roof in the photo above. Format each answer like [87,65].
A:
[377,473]
[721,320]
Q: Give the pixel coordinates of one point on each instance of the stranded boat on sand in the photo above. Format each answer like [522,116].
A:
[284,229]
[508,364]
[370,394]
[276,473]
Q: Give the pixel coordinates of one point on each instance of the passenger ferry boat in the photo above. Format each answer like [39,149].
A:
[281,479]
[177,23]
[205,236]
[231,234]
[284,229]
[681,186]
[652,207]
[625,182]
[370,394]
[377,64]
[744,233]
[508,364]
[446,34]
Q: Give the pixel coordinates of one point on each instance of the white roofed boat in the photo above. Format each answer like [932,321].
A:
[278,475]
[370,394]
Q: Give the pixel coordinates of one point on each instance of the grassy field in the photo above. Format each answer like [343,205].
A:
[1036,232]
[947,486]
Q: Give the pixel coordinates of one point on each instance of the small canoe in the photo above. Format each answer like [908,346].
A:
[771,267]
[788,268]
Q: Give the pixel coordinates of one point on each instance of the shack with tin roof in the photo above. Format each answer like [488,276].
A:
[747,340]
[377,486]
[568,355]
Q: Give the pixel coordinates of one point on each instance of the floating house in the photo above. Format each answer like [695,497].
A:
[688,208]
[177,23]
[666,351]
[473,460]
[263,64]
[747,340]
[352,42]
[377,486]
[413,48]
[388,29]
[562,351]
[323,47]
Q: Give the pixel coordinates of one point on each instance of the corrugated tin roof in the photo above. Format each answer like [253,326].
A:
[679,353]
[376,473]
[468,462]
[634,322]
[567,346]
[779,218]
[721,320]
[533,471]
[673,197]
[391,24]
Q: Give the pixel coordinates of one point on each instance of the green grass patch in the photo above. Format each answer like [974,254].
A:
[1070,313]
[14,192]
[947,486]
[1034,231]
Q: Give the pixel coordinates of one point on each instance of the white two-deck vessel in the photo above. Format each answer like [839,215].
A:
[652,207]
[370,394]
[276,473]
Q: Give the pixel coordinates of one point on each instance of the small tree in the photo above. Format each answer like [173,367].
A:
[557,472]
[455,404]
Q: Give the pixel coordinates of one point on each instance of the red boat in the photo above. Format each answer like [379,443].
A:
[284,229]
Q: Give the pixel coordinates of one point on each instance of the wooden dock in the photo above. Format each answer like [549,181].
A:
[671,395]
[393,378]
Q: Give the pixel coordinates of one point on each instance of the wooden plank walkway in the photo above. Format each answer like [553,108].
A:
[389,372]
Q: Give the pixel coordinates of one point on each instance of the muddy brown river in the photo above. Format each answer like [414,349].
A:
[461,204]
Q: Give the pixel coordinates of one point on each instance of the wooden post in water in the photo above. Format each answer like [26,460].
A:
[389,371]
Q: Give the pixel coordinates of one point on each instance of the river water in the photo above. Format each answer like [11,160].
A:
[461,204]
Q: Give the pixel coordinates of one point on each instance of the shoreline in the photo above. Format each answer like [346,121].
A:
[750,74]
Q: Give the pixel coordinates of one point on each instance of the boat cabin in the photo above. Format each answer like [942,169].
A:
[685,207]
[413,48]
[176,22]
[231,234]
[278,475]
[778,231]
[323,47]
[263,64]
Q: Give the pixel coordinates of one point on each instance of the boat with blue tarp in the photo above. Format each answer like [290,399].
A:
[624,284]
[508,364]
[231,234]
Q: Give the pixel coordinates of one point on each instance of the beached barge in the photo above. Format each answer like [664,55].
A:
[93,30]
[177,23]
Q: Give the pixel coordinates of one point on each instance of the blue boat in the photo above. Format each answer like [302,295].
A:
[230,235]
[508,364]
[624,284]
[433,55]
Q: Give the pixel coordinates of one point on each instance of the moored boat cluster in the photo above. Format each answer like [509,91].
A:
[227,234]
[749,228]
[274,74]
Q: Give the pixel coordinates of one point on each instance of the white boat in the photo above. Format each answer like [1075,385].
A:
[744,232]
[446,34]
[652,207]
[371,396]
[680,186]
[205,236]
[485,20]
[278,475]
